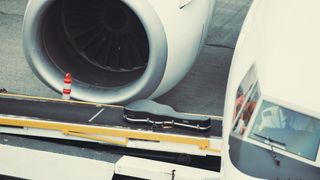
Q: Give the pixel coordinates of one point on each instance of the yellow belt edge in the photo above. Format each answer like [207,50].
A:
[92,132]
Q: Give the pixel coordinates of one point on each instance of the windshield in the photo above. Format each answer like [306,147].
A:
[289,130]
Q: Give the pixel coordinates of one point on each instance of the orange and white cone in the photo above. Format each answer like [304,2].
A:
[67,87]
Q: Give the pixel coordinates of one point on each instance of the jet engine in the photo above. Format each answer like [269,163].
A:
[116,50]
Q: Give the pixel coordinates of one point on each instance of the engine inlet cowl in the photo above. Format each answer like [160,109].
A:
[115,50]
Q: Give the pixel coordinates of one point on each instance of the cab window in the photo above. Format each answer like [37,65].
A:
[246,110]
[248,94]
[289,130]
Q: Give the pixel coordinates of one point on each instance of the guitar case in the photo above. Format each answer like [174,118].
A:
[148,111]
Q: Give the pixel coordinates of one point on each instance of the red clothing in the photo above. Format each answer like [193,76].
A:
[248,110]
[239,102]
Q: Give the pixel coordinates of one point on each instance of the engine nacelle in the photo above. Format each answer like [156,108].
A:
[116,50]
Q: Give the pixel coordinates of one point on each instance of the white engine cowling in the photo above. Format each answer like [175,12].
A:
[116,50]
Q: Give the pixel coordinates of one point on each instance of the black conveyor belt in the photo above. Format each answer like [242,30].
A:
[71,112]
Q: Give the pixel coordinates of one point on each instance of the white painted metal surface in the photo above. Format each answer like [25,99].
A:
[149,169]
[186,30]
[38,165]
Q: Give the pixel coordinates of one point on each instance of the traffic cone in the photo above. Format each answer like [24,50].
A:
[67,87]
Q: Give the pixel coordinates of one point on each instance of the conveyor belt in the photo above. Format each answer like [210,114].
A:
[87,114]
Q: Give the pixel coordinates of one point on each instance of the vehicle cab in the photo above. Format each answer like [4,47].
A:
[271,126]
